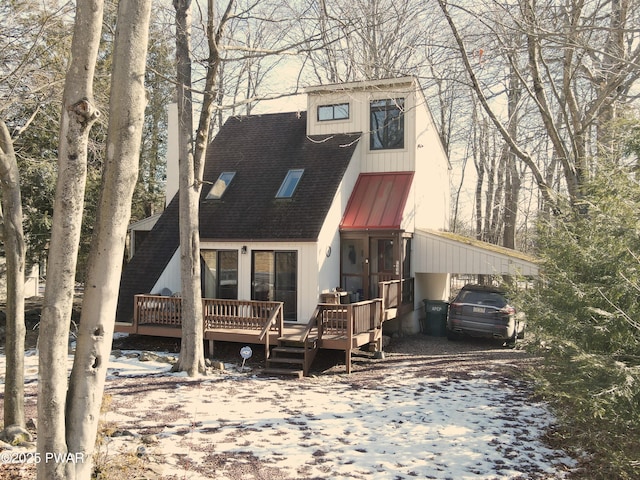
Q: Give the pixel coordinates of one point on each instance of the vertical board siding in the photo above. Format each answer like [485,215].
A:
[442,255]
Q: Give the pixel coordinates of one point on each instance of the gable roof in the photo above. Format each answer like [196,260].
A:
[377,201]
[261,150]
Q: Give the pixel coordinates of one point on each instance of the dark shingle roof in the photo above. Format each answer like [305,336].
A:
[261,150]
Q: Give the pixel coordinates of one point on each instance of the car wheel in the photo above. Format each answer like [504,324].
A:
[453,336]
[511,342]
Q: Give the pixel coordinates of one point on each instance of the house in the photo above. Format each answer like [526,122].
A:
[345,197]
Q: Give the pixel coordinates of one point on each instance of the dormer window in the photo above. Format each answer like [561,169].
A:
[387,124]
[290,183]
[220,186]
[338,111]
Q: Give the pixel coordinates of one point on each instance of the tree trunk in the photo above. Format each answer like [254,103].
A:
[612,63]
[192,342]
[126,120]
[78,115]
[192,160]
[479,164]
[14,246]
[512,176]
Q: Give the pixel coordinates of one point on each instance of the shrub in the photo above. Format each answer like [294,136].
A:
[585,313]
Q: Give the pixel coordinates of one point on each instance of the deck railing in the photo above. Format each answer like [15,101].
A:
[217,313]
[349,319]
[395,293]
[244,314]
[157,310]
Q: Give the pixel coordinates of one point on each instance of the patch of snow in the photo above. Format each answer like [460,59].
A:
[328,427]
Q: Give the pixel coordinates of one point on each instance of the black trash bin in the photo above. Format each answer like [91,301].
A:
[436,312]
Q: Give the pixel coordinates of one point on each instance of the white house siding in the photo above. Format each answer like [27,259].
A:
[307,269]
[431,181]
[170,277]
[328,267]
[428,202]
[359,96]
[438,254]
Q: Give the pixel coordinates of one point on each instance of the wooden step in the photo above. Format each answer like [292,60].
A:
[291,360]
[288,349]
[294,341]
[283,372]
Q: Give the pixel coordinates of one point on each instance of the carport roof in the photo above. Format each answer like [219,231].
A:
[445,252]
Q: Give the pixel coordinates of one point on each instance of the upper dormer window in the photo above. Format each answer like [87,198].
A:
[220,186]
[338,111]
[290,183]
[387,124]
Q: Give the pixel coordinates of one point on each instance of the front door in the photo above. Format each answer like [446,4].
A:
[384,266]
[367,260]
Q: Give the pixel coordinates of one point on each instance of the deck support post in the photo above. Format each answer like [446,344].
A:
[211,349]
[348,359]
[378,353]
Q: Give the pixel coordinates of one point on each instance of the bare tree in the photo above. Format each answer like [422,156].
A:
[28,79]
[365,39]
[14,246]
[191,347]
[191,166]
[68,419]
[581,61]
[78,115]
[95,333]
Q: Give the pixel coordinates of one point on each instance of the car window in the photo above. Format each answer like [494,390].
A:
[492,299]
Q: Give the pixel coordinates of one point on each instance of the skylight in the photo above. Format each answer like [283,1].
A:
[220,186]
[290,183]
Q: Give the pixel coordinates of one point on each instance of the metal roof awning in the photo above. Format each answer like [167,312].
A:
[377,201]
[444,252]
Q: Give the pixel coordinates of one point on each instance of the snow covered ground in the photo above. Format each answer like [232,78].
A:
[236,424]
[404,426]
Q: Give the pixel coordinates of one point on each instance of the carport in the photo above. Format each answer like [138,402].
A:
[438,255]
[445,252]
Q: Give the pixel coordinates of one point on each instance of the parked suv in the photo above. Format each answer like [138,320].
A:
[484,311]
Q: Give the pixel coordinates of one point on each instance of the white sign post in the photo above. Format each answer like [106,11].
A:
[245,353]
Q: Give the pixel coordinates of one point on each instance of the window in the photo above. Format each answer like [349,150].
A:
[339,111]
[290,183]
[220,273]
[220,186]
[387,124]
[274,277]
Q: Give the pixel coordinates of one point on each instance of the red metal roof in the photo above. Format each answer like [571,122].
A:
[377,201]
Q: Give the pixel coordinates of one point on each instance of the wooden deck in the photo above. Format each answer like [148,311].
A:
[350,326]
[247,321]
[332,326]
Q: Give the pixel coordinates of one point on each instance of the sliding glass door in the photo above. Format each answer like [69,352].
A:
[274,277]
[220,273]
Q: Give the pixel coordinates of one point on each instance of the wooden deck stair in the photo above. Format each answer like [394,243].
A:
[293,355]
